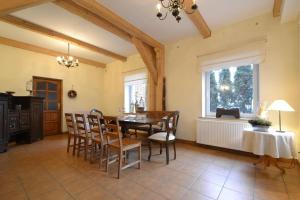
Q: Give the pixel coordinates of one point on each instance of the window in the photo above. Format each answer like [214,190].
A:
[135,91]
[232,87]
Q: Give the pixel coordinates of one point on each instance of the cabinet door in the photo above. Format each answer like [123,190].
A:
[36,132]
[3,126]
[24,119]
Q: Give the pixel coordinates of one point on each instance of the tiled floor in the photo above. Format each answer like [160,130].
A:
[44,170]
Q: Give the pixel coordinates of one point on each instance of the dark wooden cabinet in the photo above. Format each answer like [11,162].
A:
[21,119]
[3,123]
[36,126]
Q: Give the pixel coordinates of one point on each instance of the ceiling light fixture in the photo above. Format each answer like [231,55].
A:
[68,61]
[174,7]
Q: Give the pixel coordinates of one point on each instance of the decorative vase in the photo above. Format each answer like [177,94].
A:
[261,128]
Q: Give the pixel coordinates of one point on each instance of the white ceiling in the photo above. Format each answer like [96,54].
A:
[19,34]
[217,14]
[290,10]
[141,13]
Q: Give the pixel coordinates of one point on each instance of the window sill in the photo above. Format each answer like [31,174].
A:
[225,119]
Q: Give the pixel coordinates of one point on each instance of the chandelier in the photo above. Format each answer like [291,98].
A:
[174,7]
[68,61]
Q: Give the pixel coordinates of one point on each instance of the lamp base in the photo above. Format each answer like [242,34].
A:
[279,131]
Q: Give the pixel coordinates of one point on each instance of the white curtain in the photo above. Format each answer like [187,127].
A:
[135,75]
[250,53]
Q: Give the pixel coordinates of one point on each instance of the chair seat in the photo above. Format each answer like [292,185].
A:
[127,143]
[161,136]
[81,135]
[155,128]
[97,139]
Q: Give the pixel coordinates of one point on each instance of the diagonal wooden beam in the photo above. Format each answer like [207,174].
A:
[148,55]
[277,8]
[198,20]
[104,13]
[91,17]
[9,6]
[160,66]
[37,49]
[54,34]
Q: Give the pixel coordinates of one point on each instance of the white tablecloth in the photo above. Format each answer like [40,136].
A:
[272,143]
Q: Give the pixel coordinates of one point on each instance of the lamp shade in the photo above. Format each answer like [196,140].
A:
[281,105]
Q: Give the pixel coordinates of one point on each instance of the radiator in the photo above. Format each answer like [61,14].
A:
[226,133]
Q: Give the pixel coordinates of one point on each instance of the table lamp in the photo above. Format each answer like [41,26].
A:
[280,105]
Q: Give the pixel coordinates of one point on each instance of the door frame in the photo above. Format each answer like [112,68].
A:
[61,98]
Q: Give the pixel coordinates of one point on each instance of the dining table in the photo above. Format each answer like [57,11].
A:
[128,121]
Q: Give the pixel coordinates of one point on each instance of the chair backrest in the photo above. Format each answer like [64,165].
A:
[81,124]
[153,114]
[172,122]
[162,115]
[70,123]
[99,113]
[95,126]
[112,130]
[94,111]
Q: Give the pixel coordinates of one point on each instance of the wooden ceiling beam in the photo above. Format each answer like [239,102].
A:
[37,49]
[277,8]
[91,17]
[54,34]
[9,6]
[148,55]
[104,13]
[198,20]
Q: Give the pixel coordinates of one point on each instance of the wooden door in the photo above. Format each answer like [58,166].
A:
[50,89]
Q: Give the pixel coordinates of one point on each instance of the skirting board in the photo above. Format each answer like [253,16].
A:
[227,150]
[216,148]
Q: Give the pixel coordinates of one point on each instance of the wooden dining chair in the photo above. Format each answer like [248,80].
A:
[84,137]
[116,143]
[155,127]
[166,137]
[72,134]
[98,141]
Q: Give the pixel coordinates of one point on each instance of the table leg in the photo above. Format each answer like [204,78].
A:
[150,131]
[275,161]
[124,130]
[260,160]
[267,161]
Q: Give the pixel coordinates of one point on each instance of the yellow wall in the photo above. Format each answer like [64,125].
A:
[113,83]
[279,74]
[103,88]
[18,66]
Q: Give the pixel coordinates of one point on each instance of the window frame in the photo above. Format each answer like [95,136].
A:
[126,83]
[255,92]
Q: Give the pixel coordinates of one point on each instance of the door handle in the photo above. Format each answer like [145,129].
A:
[58,106]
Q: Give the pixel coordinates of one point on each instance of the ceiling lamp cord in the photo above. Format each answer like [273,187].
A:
[68,61]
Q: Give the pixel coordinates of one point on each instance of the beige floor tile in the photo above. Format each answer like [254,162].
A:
[291,179]
[206,188]
[10,187]
[14,196]
[245,186]
[227,194]
[294,196]
[219,169]
[48,172]
[58,194]
[213,178]
[193,195]
[38,188]
[261,194]
[169,190]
